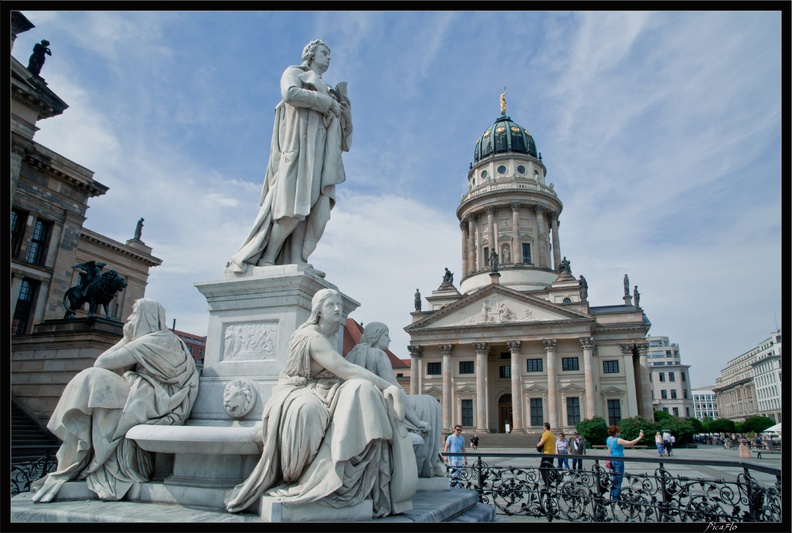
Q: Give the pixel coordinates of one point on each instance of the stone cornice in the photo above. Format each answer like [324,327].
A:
[45,164]
[101,240]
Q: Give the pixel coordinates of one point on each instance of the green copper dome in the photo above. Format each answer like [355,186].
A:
[502,137]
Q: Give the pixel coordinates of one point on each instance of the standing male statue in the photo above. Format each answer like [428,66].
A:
[417,300]
[637,297]
[313,125]
[626,285]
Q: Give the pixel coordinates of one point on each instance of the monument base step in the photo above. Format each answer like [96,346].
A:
[453,505]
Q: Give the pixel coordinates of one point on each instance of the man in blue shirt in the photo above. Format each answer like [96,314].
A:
[455,443]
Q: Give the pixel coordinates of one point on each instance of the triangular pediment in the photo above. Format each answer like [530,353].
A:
[612,391]
[571,388]
[466,389]
[433,391]
[536,389]
[496,305]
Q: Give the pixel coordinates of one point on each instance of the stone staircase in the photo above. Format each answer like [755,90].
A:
[30,441]
[519,441]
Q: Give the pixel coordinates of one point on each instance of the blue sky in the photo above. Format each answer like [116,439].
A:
[661,132]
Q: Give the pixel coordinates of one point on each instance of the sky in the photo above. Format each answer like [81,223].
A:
[661,132]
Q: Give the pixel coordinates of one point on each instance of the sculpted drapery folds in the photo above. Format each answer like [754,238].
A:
[148,377]
[313,126]
[332,431]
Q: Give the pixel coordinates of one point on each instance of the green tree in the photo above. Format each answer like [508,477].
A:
[593,430]
[721,425]
[698,425]
[631,427]
[756,424]
[661,416]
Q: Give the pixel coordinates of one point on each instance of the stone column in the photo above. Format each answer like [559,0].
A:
[471,260]
[647,409]
[463,231]
[516,386]
[415,368]
[540,248]
[516,243]
[481,349]
[493,245]
[448,386]
[552,382]
[587,343]
[479,248]
[556,245]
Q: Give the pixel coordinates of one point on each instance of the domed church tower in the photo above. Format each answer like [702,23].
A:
[519,344]
[509,209]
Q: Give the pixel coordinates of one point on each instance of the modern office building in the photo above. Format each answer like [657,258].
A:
[671,392]
[705,403]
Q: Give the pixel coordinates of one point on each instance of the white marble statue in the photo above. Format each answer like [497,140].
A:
[422,415]
[313,125]
[148,377]
[333,432]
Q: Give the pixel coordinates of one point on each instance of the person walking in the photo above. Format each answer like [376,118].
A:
[474,441]
[659,444]
[546,446]
[616,446]
[671,444]
[455,443]
[577,448]
[667,442]
[562,448]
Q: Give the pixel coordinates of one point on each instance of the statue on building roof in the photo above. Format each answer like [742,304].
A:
[565,266]
[637,297]
[417,300]
[583,284]
[626,285]
[503,101]
[138,229]
[448,278]
[493,261]
[40,52]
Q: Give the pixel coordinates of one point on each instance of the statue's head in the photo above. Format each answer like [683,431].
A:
[310,51]
[372,333]
[318,301]
[148,316]
[45,42]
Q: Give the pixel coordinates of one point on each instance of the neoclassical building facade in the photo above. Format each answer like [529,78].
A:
[518,344]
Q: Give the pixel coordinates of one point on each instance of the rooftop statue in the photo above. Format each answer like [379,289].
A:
[313,126]
[493,260]
[333,431]
[138,229]
[565,266]
[448,278]
[95,288]
[40,52]
[637,297]
[148,377]
[583,284]
[422,414]
[626,285]
[417,300]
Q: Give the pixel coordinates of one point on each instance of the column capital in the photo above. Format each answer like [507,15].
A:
[463,225]
[446,349]
[472,217]
[514,346]
[627,349]
[490,209]
[538,209]
[550,344]
[481,348]
[515,206]
[586,343]
[415,351]
[642,348]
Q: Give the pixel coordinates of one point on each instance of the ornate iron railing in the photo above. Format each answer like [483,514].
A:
[24,473]
[648,494]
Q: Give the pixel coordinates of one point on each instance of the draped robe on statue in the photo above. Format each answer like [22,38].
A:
[98,406]
[327,440]
[426,407]
[304,165]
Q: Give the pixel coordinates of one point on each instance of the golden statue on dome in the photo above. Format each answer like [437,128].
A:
[503,101]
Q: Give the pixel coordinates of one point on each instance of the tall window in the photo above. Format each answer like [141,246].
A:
[614,411]
[610,367]
[673,394]
[671,376]
[24,307]
[38,244]
[467,412]
[664,394]
[505,371]
[537,417]
[661,375]
[486,255]
[569,363]
[18,219]
[526,247]
[676,411]
[466,367]
[573,411]
[533,365]
[433,369]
